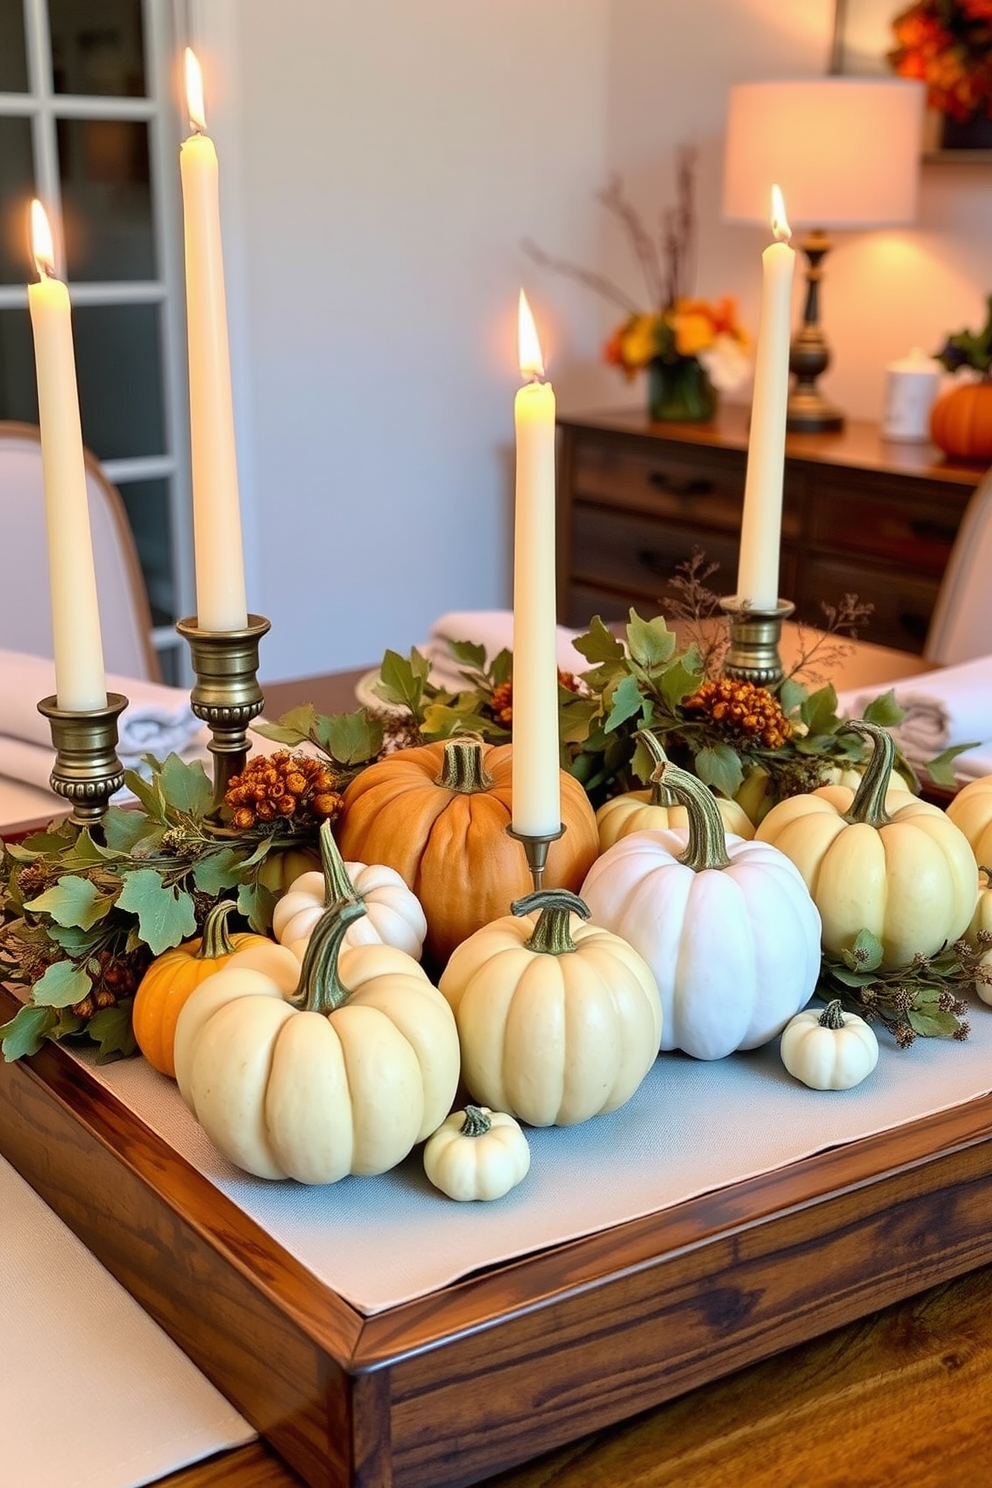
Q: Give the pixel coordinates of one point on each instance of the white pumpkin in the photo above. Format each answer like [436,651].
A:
[727,926]
[393,913]
[344,1079]
[477,1154]
[828,1049]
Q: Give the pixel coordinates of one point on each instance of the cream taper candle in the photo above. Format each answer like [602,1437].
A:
[80,682]
[220,575]
[761,527]
[535,784]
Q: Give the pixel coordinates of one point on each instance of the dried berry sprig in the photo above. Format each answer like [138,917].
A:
[921,1000]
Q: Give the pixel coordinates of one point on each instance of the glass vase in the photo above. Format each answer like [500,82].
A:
[680,391]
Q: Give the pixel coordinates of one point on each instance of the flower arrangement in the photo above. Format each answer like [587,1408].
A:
[948,45]
[692,348]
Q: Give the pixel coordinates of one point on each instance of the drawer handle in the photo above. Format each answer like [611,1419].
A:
[927,527]
[656,563]
[914,624]
[696,485]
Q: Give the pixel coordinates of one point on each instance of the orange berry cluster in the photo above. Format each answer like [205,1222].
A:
[502,698]
[281,785]
[742,709]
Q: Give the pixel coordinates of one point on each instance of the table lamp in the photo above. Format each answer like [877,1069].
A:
[845,151]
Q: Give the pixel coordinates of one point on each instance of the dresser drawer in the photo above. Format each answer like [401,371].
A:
[638,556]
[903,602]
[685,485]
[915,535]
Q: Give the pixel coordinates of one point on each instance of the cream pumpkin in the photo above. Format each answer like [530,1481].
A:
[884,862]
[393,913]
[971,811]
[344,1078]
[657,809]
[557,1020]
[477,1154]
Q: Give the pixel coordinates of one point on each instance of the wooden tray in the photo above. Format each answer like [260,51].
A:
[525,1356]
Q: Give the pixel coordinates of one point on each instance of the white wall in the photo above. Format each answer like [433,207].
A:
[382,164]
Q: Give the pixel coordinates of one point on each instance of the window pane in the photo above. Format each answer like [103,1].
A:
[13,58]
[106,199]
[16,190]
[147,504]
[98,49]
[18,389]
[119,361]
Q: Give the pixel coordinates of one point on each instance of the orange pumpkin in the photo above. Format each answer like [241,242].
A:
[438,814]
[169,980]
[961,421]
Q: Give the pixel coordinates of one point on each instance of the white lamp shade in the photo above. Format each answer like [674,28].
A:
[845,151]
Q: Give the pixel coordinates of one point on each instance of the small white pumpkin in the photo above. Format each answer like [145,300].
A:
[393,913]
[477,1153]
[828,1049]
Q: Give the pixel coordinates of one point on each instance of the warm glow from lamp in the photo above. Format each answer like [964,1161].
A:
[194,93]
[780,222]
[41,240]
[845,152]
[528,345]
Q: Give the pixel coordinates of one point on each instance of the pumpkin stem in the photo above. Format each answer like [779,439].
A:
[660,794]
[463,769]
[476,1122]
[707,844]
[869,798]
[215,941]
[337,884]
[551,935]
[321,989]
[832,1015]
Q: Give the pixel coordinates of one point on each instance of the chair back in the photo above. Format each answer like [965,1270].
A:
[25,593]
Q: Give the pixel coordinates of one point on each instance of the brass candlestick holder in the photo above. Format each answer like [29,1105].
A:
[753,654]
[536,851]
[226,695]
[87,771]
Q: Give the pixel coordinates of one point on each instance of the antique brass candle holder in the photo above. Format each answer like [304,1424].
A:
[226,694]
[753,654]
[536,851]
[87,770]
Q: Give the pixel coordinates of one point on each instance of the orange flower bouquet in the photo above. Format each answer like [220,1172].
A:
[947,44]
[692,349]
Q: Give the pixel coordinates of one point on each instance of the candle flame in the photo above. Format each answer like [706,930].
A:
[528,346]
[780,223]
[41,241]
[194,93]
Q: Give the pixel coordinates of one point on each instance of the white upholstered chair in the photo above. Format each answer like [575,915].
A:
[25,604]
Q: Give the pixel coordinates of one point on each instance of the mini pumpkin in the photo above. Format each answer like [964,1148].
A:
[344,1076]
[393,914]
[876,860]
[828,1049]
[176,973]
[557,1020]
[657,809]
[439,815]
[477,1154]
[726,925]
[971,811]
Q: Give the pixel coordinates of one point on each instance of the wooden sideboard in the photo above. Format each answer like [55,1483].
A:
[860,515]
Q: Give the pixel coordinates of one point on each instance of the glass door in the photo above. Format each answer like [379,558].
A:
[88,123]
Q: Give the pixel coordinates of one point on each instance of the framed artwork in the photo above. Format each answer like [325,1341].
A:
[864,37]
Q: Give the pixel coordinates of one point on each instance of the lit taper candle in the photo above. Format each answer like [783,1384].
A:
[220,574]
[536,791]
[80,682]
[761,527]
